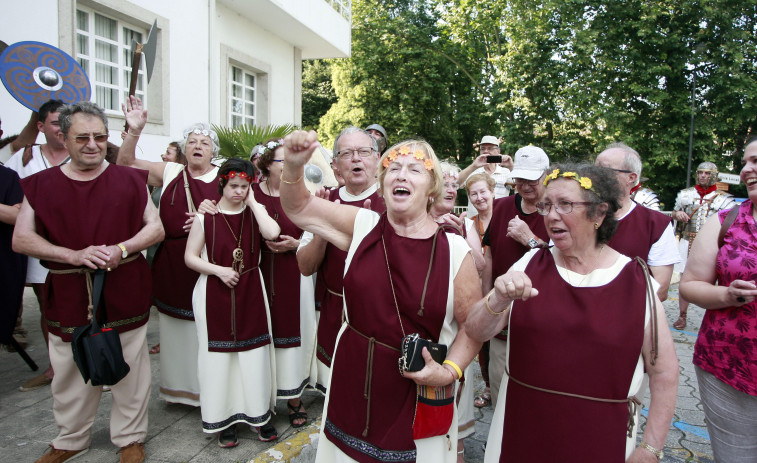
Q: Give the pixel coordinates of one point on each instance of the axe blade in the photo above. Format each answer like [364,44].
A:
[150,48]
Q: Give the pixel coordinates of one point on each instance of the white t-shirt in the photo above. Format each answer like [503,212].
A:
[501,176]
[35,272]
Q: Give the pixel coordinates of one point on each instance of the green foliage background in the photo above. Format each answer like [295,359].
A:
[569,76]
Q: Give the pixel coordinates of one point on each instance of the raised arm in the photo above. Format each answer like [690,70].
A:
[269,228]
[480,161]
[491,314]
[28,134]
[136,118]
[334,222]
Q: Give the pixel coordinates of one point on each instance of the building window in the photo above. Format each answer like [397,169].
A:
[103,49]
[242,95]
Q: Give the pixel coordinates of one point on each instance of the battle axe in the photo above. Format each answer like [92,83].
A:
[148,49]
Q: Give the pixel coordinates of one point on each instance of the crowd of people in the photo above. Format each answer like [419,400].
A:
[377,294]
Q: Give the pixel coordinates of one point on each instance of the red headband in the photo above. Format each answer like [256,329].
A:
[233,174]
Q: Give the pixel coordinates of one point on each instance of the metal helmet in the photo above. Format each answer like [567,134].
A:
[712,169]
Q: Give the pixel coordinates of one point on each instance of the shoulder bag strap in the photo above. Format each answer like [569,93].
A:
[97,291]
[652,304]
[190,203]
[729,219]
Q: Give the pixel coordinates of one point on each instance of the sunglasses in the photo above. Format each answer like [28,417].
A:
[84,139]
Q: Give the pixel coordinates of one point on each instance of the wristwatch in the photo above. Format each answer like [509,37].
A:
[124,252]
[532,243]
[654,451]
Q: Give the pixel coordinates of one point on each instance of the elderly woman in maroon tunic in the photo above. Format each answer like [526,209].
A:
[184,188]
[584,326]
[403,275]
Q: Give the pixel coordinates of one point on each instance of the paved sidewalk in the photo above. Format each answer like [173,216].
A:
[175,435]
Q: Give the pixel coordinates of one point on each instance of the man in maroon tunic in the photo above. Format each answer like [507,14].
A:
[641,231]
[316,254]
[514,229]
[83,216]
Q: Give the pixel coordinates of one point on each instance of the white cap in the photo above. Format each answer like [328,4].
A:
[530,163]
[489,139]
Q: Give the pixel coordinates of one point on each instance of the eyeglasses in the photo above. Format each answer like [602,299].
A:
[521,181]
[489,149]
[562,207]
[84,139]
[277,160]
[349,152]
[622,170]
[455,186]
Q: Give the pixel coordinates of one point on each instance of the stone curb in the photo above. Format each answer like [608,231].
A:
[298,448]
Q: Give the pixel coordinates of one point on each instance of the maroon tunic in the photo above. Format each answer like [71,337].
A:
[638,231]
[75,214]
[371,416]
[505,251]
[282,277]
[242,324]
[173,281]
[572,340]
[332,271]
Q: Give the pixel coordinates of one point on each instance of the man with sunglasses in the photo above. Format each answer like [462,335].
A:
[641,231]
[85,216]
[28,161]
[515,228]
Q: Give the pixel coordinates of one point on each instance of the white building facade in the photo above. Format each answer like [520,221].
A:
[227,62]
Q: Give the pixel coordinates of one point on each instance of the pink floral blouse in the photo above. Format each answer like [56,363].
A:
[727,343]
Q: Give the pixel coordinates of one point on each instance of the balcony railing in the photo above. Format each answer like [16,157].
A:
[343,7]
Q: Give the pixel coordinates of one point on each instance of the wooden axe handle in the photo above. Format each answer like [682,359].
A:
[135,62]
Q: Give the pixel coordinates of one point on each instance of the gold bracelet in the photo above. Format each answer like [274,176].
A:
[455,367]
[281,177]
[654,451]
[486,303]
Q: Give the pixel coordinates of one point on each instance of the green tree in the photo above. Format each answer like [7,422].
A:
[317,92]
[570,76]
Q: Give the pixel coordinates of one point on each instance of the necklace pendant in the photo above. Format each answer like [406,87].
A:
[238,254]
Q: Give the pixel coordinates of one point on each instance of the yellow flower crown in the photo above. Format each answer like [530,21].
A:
[405,151]
[585,182]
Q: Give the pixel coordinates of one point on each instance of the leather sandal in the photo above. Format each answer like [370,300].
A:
[482,400]
[296,414]
[680,324]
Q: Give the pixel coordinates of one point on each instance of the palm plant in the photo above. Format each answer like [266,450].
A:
[237,142]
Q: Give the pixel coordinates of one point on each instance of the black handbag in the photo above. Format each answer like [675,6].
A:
[412,352]
[97,351]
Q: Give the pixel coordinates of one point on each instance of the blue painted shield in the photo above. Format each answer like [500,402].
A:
[35,72]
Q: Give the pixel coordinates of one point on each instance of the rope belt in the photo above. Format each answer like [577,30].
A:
[88,278]
[334,293]
[369,373]
[633,402]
